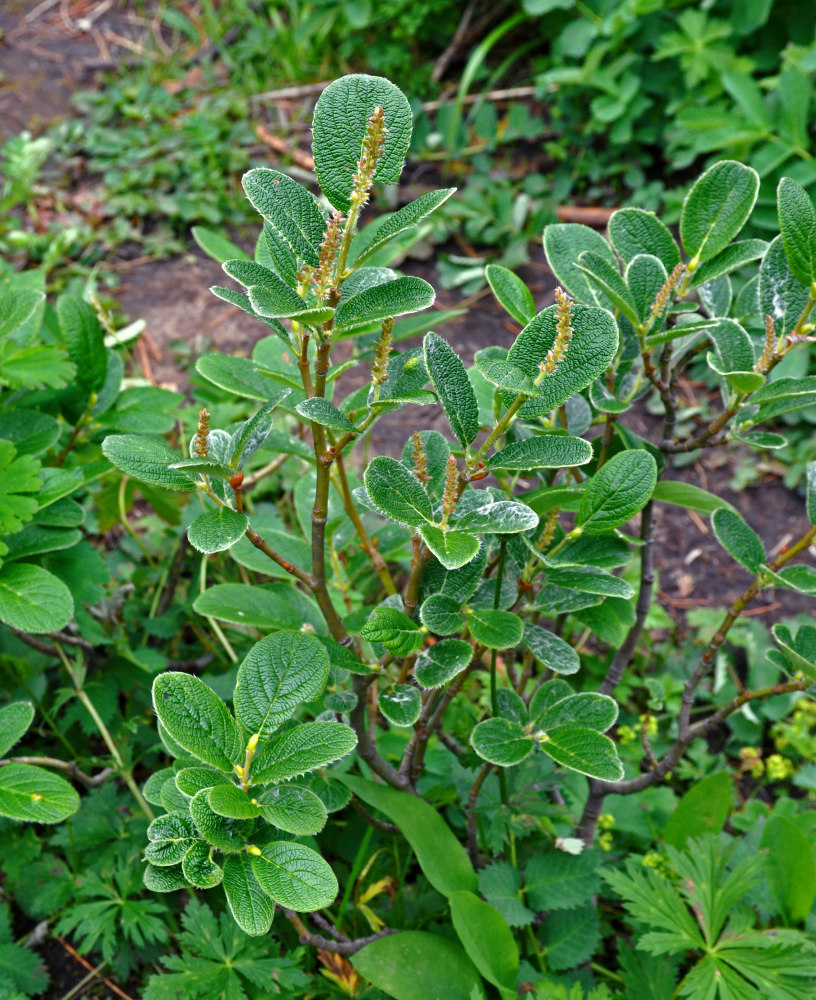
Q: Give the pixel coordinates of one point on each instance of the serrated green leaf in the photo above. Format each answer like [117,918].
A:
[416,965]
[321,411]
[33,600]
[738,539]
[190,780]
[717,207]
[147,459]
[249,905]
[395,630]
[617,491]
[199,868]
[564,242]
[570,937]
[289,208]
[797,225]
[585,751]
[225,833]
[487,940]
[394,298]
[397,493]
[85,338]
[495,629]
[550,451]
[302,749]
[550,650]
[452,548]
[295,876]
[341,120]
[14,722]
[170,837]
[511,293]
[500,884]
[167,879]
[217,530]
[591,350]
[645,277]
[634,231]
[555,880]
[453,387]
[197,719]
[501,741]
[279,673]
[441,662]
[33,795]
[293,809]
[400,704]
[406,218]
[227,799]
[442,858]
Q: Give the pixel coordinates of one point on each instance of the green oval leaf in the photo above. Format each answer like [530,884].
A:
[217,530]
[249,905]
[302,749]
[293,809]
[634,231]
[585,751]
[617,491]
[703,809]
[295,876]
[393,298]
[488,941]
[452,385]
[441,662]
[34,795]
[797,224]
[395,630]
[197,719]
[738,539]
[452,548]
[550,451]
[511,293]
[289,208]
[33,600]
[717,207]
[400,704]
[147,459]
[501,741]
[14,721]
[415,965]
[551,651]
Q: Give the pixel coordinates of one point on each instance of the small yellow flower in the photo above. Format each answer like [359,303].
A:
[780,768]
[626,735]
[605,841]
[606,821]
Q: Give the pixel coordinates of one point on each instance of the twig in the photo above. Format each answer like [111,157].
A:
[378,824]
[304,160]
[292,93]
[470,812]
[305,936]
[444,60]
[87,965]
[69,766]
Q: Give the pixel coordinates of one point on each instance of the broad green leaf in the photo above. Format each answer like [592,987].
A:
[341,120]
[688,495]
[397,493]
[501,741]
[293,809]
[790,868]
[587,709]
[633,231]
[584,750]
[441,614]
[199,868]
[406,218]
[617,491]
[14,722]
[716,208]
[302,749]
[274,250]
[506,376]
[798,653]
[499,517]
[555,880]
[241,301]
[734,257]
[16,307]
[197,719]
[547,694]
[249,905]
[395,630]
[33,600]
[703,809]
[227,799]
[163,879]
[395,298]
[442,858]
[590,580]
[190,780]
[645,277]
[781,295]
[511,292]
[85,339]
[550,650]
[400,704]
[275,299]
[321,411]
[34,795]
[550,451]
[797,224]
[416,965]
[216,245]
[147,459]
[289,208]
[204,467]
[495,629]
[564,242]
[244,604]
[452,548]
[570,937]
[441,662]
[170,837]
[590,352]
[253,433]
[225,833]
[453,387]
[295,876]
[738,539]
[487,940]
[603,275]
[217,530]
[278,674]
[30,431]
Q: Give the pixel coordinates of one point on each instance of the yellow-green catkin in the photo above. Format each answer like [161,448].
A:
[450,497]
[563,335]
[662,297]
[373,145]
[419,459]
[379,370]
[323,276]
[200,442]
[763,363]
